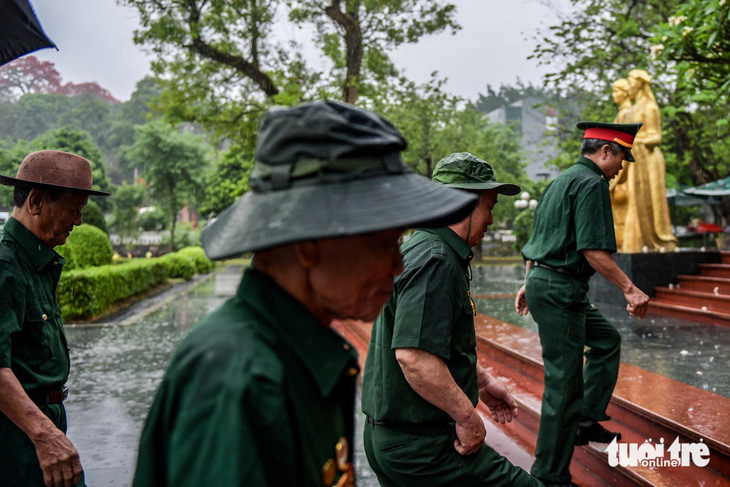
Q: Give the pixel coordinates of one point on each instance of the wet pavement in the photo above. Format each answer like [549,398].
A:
[116,368]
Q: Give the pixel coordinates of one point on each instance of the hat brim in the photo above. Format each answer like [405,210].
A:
[22,183]
[261,220]
[507,189]
[628,155]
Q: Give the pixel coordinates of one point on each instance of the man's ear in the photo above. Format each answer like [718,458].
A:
[36,200]
[308,253]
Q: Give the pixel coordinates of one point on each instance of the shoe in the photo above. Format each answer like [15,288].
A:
[594,432]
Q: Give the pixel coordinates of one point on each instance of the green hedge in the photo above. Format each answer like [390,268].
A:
[87,246]
[203,264]
[89,292]
[178,266]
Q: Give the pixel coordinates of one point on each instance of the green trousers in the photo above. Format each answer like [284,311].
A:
[427,458]
[19,465]
[567,324]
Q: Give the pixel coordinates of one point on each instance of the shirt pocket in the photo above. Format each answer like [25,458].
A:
[41,328]
[463,332]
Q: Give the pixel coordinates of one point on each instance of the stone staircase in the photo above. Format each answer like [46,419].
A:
[703,299]
[645,406]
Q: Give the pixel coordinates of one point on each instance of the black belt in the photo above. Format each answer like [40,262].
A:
[41,398]
[561,270]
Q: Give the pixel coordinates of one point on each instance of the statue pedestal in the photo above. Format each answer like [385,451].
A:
[649,270]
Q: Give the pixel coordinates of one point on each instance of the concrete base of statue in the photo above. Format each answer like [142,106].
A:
[650,270]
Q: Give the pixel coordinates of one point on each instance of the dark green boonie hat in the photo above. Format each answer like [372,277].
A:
[621,133]
[324,170]
[466,171]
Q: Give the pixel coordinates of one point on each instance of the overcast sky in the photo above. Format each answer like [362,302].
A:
[94,38]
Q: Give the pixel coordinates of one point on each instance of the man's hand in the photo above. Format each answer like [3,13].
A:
[58,458]
[638,302]
[497,397]
[470,434]
[604,264]
[430,378]
[521,302]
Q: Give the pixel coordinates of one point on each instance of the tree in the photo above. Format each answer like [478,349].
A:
[172,164]
[88,88]
[28,74]
[127,199]
[229,180]
[437,124]
[11,155]
[697,39]
[357,34]
[133,112]
[602,40]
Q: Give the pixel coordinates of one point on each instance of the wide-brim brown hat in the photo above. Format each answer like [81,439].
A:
[326,170]
[54,169]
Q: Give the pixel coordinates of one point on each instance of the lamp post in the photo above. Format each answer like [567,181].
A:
[524,201]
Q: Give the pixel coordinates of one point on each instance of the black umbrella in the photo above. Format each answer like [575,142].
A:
[20,31]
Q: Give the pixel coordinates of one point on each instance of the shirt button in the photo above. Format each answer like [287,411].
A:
[45,317]
[346,346]
[352,371]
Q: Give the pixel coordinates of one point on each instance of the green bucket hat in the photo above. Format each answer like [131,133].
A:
[328,169]
[466,171]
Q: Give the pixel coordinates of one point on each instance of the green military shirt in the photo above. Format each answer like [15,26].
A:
[259,394]
[574,214]
[430,309]
[32,341]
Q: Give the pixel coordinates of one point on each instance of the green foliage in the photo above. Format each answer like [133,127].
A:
[172,164]
[357,36]
[92,215]
[89,292]
[697,38]
[437,124]
[86,246]
[186,236]
[11,155]
[602,40]
[523,228]
[203,264]
[151,220]
[229,180]
[127,200]
[179,266]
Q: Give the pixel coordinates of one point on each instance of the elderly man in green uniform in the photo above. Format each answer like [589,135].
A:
[572,238]
[51,188]
[422,380]
[261,392]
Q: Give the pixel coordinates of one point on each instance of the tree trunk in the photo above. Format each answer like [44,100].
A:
[348,21]
[172,234]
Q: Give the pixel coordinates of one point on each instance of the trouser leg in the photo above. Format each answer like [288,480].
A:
[601,367]
[401,458]
[554,302]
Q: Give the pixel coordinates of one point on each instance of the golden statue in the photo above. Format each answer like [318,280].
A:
[617,186]
[641,211]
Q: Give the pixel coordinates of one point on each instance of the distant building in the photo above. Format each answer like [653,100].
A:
[534,122]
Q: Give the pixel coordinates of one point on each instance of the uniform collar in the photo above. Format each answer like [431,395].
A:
[591,165]
[321,350]
[38,252]
[457,243]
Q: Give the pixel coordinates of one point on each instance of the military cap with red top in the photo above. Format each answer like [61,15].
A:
[621,133]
